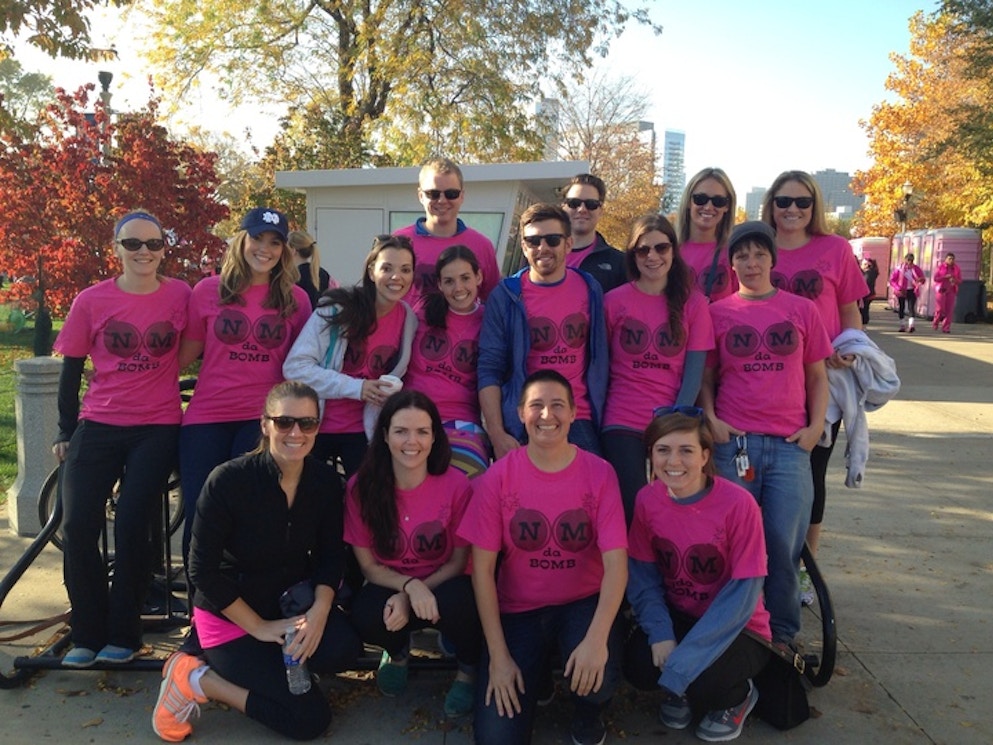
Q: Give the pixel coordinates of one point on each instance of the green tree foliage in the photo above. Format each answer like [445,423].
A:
[401,78]
[971,29]
[22,96]
[59,28]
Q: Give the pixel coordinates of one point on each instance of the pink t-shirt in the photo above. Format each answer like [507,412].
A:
[761,349]
[824,270]
[699,547]
[443,365]
[368,359]
[244,347]
[646,363]
[427,249]
[576,257]
[553,528]
[699,257]
[559,324]
[213,630]
[428,514]
[133,341]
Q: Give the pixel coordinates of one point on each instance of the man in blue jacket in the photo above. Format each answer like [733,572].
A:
[544,316]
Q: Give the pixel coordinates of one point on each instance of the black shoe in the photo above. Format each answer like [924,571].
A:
[588,732]
[545,686]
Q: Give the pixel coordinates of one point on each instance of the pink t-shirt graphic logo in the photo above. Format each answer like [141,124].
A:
[781,339]
[123,339]
[530,531]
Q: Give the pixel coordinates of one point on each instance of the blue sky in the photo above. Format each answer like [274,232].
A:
[758,86]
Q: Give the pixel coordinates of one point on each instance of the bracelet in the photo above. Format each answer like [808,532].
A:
[403,587]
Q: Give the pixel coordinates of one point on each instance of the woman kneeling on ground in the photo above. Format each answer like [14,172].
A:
[266,522]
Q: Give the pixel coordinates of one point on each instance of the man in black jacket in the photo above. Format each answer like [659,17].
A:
[583,200]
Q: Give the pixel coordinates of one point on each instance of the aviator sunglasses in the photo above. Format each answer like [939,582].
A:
[590,204]
[135,244]
[552,239]
[700,199]
[801,202]
[660,248]
[435,194]
[307,424]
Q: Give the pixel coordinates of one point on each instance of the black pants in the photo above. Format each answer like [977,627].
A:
[819,459]
[459,620]
[722,685]
[258,666]
[906,302]
[99,454]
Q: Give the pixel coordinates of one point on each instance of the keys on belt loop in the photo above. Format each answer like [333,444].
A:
[741,463]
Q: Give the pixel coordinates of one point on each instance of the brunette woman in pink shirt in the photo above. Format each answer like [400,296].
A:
[815,264]
[125,429]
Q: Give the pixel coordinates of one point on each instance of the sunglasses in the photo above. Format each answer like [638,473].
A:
[135,244]
[660,248]
[307,424]
[801,202]
[552,239]
[700,199]
[590,204]
[435,194]
[693,411]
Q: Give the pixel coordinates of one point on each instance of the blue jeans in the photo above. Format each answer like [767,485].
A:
[203,447]
[530,637]
[784,488]
[583,434]
[625,450]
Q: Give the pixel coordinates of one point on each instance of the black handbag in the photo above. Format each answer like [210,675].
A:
[782,687]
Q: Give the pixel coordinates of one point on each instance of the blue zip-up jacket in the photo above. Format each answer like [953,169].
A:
[504,343]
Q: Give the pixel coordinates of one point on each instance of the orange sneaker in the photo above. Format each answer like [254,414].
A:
[177,701]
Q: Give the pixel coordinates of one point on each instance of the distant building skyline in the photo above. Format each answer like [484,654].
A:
[673,169]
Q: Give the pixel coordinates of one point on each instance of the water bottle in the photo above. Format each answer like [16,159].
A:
[297,675]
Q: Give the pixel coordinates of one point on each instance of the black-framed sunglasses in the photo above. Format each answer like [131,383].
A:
[135,244]
[700,199]
[801,202]
[307,424]
[694,411]
[435,194]
[552,239]
[660,248]
[590,204]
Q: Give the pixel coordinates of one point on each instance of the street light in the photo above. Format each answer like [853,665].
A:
[903,214]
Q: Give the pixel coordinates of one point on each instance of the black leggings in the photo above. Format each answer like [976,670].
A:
[459,620]
[906,302]
[258,666]
[722,685]
[819,459]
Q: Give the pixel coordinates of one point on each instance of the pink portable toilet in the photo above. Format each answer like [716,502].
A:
[878,249]
[967,245]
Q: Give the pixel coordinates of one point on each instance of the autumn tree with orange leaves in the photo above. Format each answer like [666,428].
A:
[64,187]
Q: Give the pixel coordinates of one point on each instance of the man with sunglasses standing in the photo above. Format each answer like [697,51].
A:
[441,192]
[547,315]
[583,201]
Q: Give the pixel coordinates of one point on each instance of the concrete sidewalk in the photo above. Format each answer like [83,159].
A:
[907,559]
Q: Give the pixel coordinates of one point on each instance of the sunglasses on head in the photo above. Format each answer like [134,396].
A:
[801,202]
[693,411]
[660,248]
[307,424]
[700,199]
[590,204]
[552,239]
[435,194]
[135,244]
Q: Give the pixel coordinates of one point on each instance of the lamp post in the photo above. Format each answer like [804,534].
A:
[908,192]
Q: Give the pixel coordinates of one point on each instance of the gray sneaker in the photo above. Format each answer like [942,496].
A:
[675,712]
[726,724]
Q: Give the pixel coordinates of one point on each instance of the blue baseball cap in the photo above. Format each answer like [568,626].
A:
[262,219]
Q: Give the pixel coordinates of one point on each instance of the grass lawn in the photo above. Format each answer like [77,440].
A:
[13,346]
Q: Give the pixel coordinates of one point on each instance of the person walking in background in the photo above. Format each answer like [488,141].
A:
[870,273]
[546,315]
[947,279]
[126,429]
[706,216]
[403,508]
[765,395]
[441,191]
[313,278]
[660,331]
[905,281]
[243,322]
[266,556]
[444,354]
[552,514]
[697,564]
[356,336]
[583,201]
